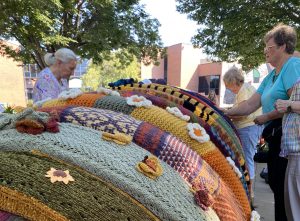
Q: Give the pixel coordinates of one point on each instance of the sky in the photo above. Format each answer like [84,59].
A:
[175,27]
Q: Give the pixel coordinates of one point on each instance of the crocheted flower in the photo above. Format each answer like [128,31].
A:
[232,164]
[202,195]
[29,126]
[150,167]
[71,93]
[59,175]
[138,101]
[197,132]
[107,91]
[175,111]
[255,216]
[119,138]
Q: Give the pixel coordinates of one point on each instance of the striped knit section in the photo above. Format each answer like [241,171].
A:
[86,100]
[206,150]
[168,197]
[82,199]
[114,103]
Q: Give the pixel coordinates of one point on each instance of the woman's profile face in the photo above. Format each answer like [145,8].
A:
[272,52]
[67,69]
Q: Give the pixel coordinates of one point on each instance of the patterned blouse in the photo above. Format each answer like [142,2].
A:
[290,141]
[47,86]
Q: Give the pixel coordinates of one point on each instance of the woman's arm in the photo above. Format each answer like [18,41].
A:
[245,107]
[262,119]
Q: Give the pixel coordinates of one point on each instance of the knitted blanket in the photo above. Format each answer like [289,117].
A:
[163,145]
[114,164]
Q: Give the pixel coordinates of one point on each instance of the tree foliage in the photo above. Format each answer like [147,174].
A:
[110,70]
[234,29]
[92,28]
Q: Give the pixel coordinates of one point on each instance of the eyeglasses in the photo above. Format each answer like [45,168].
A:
[267,48]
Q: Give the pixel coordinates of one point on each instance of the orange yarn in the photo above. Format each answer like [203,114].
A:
[86,100]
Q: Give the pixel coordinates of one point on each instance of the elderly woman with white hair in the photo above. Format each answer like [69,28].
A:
[248,131]
[53,79]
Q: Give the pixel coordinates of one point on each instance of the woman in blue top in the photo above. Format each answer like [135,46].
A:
[280,45]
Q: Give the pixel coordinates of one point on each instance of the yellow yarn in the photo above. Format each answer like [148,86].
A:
[54,103]
[119,138]
[144,168]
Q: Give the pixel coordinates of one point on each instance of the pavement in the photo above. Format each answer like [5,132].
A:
[263,196]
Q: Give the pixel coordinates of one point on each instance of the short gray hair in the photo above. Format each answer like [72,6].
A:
[234,76]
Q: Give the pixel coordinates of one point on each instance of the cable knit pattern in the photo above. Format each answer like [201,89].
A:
[163,145]
[83,147]
[25,173]
[115,103]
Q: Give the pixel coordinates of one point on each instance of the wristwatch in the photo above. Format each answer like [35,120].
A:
[289,107]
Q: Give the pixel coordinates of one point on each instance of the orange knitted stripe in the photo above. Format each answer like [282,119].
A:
[85,100]
[27,207]
[217,161]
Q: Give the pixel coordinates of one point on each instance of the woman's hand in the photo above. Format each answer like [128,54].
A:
[261,119]
[282,105]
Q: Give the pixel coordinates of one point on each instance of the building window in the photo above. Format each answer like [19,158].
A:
[207,83]
[166,69]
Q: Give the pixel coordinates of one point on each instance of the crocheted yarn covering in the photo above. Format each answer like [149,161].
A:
[83,147]
[87,100]
[166,147]
[67,202]
[206,150]
[223,131]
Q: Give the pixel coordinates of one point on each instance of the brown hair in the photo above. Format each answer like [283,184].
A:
[283,34]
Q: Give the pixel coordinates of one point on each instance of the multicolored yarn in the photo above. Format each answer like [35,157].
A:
[206,150]
[204,111]
[81,146]
[166,147]
[58,201]
[87,99]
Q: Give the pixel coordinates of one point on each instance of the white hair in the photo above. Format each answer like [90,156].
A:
[63,54]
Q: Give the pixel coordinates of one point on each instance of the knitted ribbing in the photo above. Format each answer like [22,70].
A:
[83,147]
[26,206]
[87,100]
[84,199]
[162,144]
[115,103]
[206,150]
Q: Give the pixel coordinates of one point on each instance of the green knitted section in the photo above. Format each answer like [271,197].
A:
[87,198]
[168,197]
[114,103]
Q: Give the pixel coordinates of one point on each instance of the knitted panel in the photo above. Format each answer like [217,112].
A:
[83,147]
[55,102]
[115,103]
[204,111]
[191,167]
[166,147]
[84,199]
[99,119]
[87,99]
[26,206]
[206,150]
